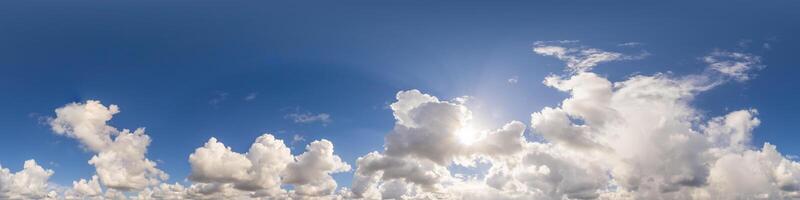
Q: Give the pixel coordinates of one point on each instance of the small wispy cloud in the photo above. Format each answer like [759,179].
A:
[218,98]
[736,65]
[297,138]
[513,80]
[307,118]
[40,119]
[251,96]
[580,58]
[744,43]
[630,44]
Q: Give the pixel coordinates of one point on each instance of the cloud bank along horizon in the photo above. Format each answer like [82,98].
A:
[639,138]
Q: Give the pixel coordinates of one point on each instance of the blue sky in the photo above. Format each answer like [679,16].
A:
[184,69]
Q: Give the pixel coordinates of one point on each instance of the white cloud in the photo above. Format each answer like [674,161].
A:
[736,65]
[86,122]
[311,172]
[621,118]
[164,192]
[375,167]
[306,118]
[647,122]
[630,44]
[753,173]
[85,189]
[428,128]
[270,157]
[29,183]
[427,138]
[549,172]
[259,169]
[426,141]
[214,162]
[555,126]
[504,141]
[579,58]
[213,191]
[513,80]
[297,138]
[263,170]
[120,160]
[732,130]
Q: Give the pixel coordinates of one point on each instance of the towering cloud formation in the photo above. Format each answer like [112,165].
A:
[120,160]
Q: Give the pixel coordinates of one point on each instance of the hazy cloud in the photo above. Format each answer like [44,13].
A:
[307,118]
[251,96]
[630,44]
[218,98]
[580,58]
[513,80]
[736,65]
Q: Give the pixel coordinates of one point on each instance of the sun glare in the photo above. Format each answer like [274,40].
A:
[467,135]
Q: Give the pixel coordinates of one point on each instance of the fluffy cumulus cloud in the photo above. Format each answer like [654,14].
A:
[264,169]
[311,172]
[638,138]
[29,183]
[85,189]
[119,159]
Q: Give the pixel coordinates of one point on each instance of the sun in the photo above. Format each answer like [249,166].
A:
[467,135]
